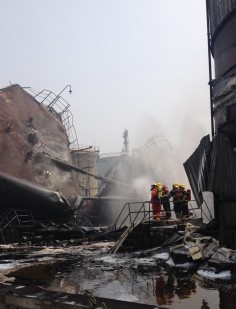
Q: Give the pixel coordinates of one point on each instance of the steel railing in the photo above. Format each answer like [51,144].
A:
[60,108]
[142,211]
[15,218]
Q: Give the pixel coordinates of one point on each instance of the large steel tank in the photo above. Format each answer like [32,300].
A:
[222,15]
[222,20]
[30,137]
[222,168]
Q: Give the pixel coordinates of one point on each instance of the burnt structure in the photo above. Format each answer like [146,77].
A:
[42,167]
[38,150]
[212,167]
[28,131]
[85,157]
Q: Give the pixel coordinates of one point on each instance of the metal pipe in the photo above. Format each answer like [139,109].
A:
[79,170]
[210,67]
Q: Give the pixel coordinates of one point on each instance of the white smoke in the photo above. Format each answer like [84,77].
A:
[155,162]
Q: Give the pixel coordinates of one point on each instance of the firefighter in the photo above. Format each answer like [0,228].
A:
[175,194]
[156,201]
[160,194]
[185,197]
[166,201]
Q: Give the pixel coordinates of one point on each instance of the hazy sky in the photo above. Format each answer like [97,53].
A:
[139,65]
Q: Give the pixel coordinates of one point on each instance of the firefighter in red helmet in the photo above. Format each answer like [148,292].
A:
[155,201]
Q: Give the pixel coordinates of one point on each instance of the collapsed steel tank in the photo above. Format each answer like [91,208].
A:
[33,135]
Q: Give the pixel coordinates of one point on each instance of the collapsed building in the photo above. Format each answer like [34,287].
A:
[212,167]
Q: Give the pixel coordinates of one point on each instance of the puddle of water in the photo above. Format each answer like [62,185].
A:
[141,280]
[148,280]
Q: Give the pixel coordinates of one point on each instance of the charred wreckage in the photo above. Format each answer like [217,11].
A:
[47,195]
[44,189]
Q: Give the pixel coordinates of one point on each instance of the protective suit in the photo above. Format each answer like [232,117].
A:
[166,201]
[155,201]
[175,194]
[185,197]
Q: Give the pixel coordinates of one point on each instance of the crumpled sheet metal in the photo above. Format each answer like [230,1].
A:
[201,248]
[197,169]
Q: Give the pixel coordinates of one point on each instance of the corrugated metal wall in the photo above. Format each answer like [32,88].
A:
[212,168]
[224,158]
[219,9]
[222,183]
[197,169]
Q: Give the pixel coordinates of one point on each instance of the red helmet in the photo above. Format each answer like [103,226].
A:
[165,189]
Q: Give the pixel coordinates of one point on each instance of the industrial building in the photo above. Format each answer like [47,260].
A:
[212,167]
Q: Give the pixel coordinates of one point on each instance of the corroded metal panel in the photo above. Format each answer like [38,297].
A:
[27,131]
